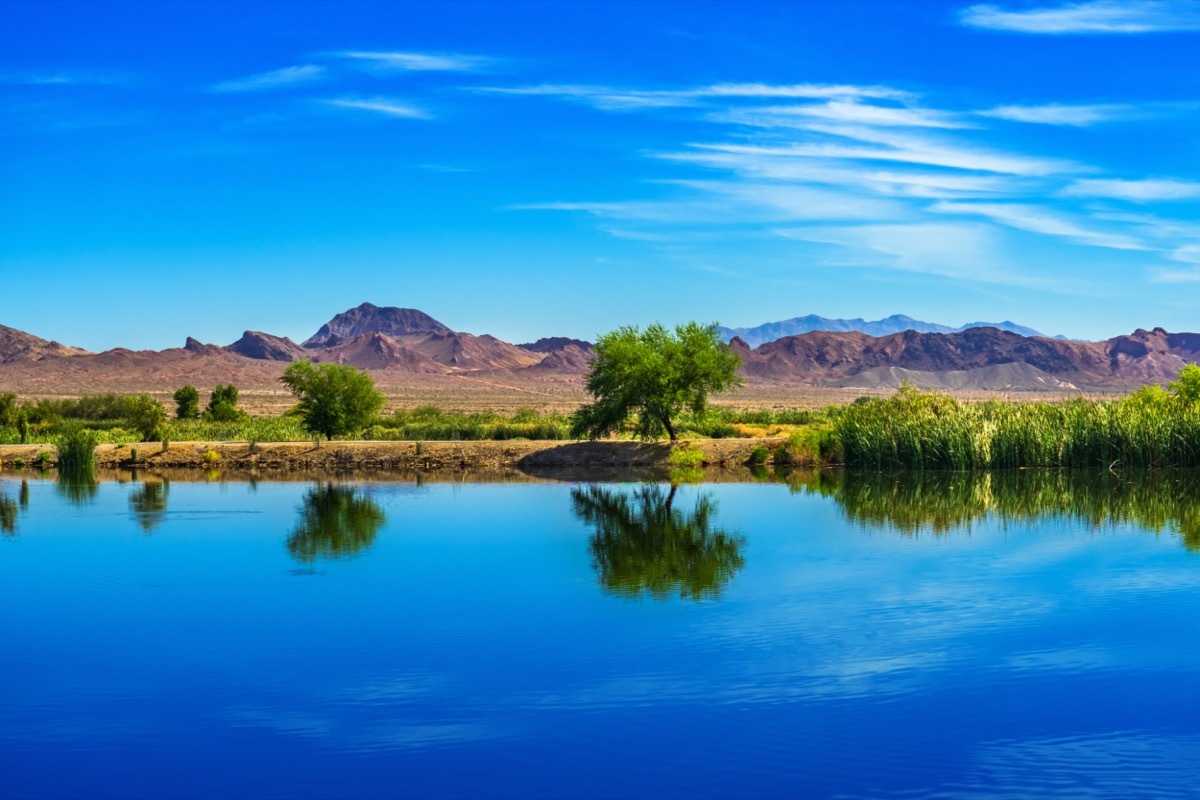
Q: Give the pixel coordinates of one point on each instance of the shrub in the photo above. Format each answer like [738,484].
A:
[187,402]
[759,455]
[212,457]
[133,454]
[19,462]
[76,452]
[685,457]
[146,415]
[222,404]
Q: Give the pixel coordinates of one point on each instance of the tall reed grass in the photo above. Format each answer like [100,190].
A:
[916,430]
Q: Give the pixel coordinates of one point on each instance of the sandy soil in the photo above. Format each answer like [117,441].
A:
[530,456]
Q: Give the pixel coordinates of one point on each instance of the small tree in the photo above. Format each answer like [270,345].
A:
[145,415]
[654,374]
[1187,384]
[187,402]
[8,410]
[335,399]
[222,404]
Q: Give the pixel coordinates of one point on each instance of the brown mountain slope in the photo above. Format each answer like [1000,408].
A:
[369,318]
[18,345]
[375,351]
[256,344]
[834,358]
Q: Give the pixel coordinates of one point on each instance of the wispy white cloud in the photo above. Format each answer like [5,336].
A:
[380,105]
[906,150]
[1096,17]
[946,249]
[1146,190]
[275,79]
[609,98]
[1079,116]
[418,62]
[851,111]
[60,78]
[1043,220]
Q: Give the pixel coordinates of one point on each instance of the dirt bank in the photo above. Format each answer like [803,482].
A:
[392,456]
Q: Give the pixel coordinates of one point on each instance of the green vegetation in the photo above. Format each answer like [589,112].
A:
[642,381]
[146,416]
[334,399]
[914,429]
[187,402]
[222,404]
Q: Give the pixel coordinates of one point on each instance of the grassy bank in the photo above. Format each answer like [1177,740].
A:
[912,429]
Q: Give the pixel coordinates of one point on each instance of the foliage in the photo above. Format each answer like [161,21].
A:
[759,455]
[145,415]
[914,429]
[222,404]
[646,379]
[335,399]
[187,402]
[643,544]
[335,522]
[1187,385]
[685,457]
[212,457]
[8,410]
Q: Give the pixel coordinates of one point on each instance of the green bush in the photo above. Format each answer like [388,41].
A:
[685,456]
[759,456]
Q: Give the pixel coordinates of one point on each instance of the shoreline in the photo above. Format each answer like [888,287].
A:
[354,456]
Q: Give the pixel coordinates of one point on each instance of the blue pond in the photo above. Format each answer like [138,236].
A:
[818,636]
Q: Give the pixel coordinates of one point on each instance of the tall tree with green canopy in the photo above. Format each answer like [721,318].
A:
[335,399]
[652,376]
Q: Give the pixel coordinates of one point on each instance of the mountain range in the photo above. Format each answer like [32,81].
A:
[404,347]
[897,323]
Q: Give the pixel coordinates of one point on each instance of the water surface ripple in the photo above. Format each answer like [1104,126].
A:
[814,635]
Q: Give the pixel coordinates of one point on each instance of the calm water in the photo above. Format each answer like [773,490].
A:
[841,636]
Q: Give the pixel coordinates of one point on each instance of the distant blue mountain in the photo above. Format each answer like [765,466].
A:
[770,331]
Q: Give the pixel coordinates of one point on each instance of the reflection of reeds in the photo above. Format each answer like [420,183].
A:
[914,429]
[912,502]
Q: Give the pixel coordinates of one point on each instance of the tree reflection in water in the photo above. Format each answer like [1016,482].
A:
[938,502]
[335,522]
[643,544]
[148,504]
[8,515]
[77,486]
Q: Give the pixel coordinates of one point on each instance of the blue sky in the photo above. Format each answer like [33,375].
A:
[535,169]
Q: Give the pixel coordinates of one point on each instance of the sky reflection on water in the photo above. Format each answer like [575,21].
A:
[830,636]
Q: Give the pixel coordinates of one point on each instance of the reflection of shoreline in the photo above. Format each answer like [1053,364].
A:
[937,502]
[644,544]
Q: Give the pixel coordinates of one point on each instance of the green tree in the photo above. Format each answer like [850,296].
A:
[222,404]
[1187,385]
[8,410]
[187,402]
[145,415]
[334,399]
[653,376]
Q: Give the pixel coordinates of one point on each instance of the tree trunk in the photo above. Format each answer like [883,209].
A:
[666,421]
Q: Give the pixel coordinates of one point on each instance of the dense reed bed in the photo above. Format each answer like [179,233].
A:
[925,430]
